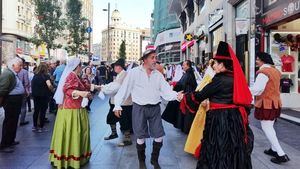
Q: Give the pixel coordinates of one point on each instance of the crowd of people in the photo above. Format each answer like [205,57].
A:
[211,106]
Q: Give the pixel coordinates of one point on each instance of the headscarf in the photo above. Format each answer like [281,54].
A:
[71,65]
[178,73]
[241,92]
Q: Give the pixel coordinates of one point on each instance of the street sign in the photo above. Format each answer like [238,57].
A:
[89,29]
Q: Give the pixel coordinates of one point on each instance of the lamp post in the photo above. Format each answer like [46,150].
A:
[89,31]
[108,39]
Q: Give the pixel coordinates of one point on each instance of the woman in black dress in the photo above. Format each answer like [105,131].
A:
[41,92]
[182,119]
[227,139]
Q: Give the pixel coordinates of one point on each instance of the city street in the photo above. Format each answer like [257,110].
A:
[32,152]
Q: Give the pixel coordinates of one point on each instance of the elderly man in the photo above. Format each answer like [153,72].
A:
[146,86]
[11,91]
[125,120]
[24,77]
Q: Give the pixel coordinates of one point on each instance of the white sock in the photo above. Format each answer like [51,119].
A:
[268,128]
[158,140]
[140,141]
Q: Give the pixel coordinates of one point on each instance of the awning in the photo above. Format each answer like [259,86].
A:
[185,44]
[27,58]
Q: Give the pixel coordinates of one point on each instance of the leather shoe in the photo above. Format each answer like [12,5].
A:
[280,159]
[24,123]
[14,143]
[271,152]
[6,150]
[110,137]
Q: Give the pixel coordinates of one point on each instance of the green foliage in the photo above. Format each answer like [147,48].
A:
[50,25]
[76,29]
[122,50]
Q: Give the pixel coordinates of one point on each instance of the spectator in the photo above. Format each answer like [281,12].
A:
[101,74]
[52,104]
[58,71]
[24,77]
[41,92]
[11,92]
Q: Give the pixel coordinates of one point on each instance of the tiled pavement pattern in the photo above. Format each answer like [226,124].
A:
[32,152]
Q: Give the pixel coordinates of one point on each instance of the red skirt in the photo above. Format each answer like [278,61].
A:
[267,114]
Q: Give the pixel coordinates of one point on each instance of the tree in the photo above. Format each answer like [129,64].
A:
[122,50]
[50,25]
[76,29]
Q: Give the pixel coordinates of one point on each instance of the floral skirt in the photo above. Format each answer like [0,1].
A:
[70,145]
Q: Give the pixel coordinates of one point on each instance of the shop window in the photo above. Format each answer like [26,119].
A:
[200,4]
[190,11]
[182,18]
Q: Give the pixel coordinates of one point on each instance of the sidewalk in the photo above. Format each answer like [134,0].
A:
[291,115]
[32,153]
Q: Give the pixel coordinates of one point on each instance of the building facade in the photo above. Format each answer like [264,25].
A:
[278,33]
[165,34]
[119,32]
[250,27]
[17,27]
[87,12]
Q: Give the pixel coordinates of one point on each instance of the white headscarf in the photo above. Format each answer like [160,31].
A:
[178,73]
[71,65]
[197,75]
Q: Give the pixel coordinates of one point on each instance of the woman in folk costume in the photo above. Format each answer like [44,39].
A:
[195,136]
[227,138]
[172,113]
[268,103]
[70,145]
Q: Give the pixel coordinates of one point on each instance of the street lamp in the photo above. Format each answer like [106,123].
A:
[108,40]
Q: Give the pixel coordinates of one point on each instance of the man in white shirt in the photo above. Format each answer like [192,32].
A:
[146,86]
[125,120]
[268,103]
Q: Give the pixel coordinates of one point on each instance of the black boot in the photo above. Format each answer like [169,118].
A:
[141,155]
[113,134]
[126,141]
[155,154]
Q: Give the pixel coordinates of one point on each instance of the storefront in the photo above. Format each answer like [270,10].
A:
[280,36]
[216,29]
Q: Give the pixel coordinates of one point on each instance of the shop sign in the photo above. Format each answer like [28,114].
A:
[241,26]
[188,37]
[283,11]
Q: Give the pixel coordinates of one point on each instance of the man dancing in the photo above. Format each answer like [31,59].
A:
[268,103]
[146,86]
[125,120]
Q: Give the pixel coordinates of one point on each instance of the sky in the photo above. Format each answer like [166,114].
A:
[134,12]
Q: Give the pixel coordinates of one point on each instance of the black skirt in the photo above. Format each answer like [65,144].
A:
[173,115]
[223,146]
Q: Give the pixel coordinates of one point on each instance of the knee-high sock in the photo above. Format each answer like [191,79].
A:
[140,141]
[158,140]
[268,128]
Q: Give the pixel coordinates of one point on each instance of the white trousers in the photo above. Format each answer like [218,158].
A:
[268,128]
